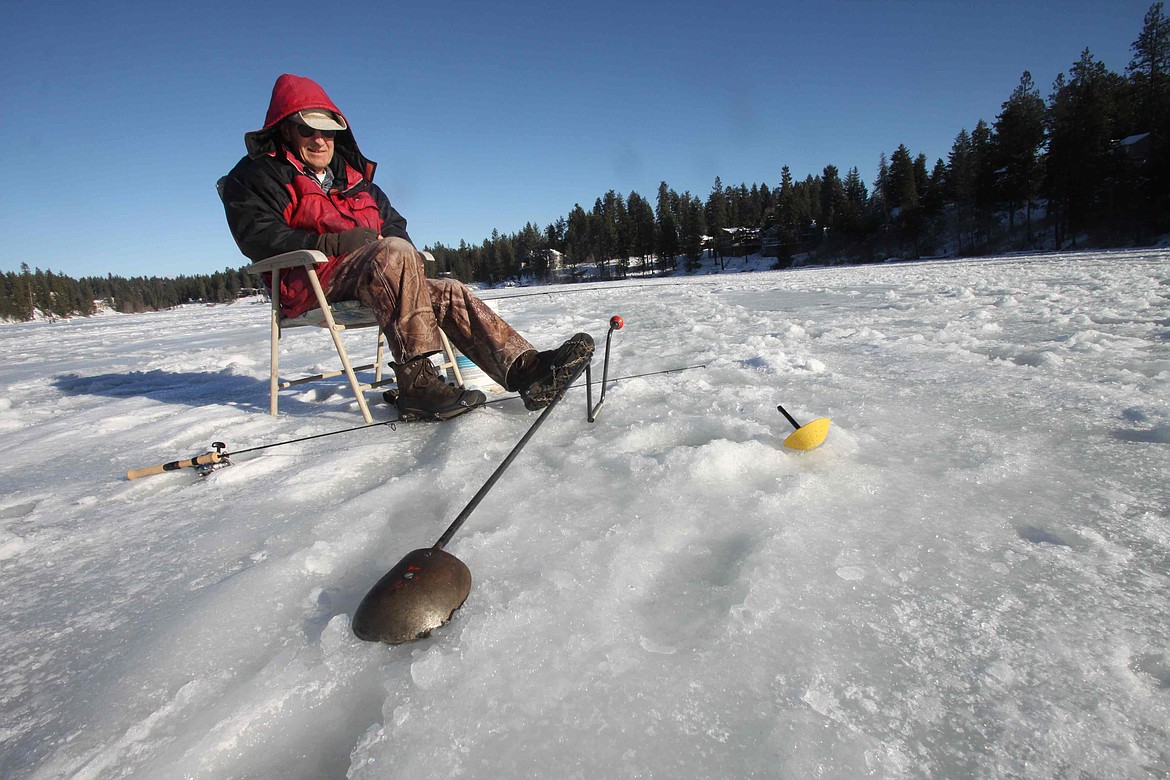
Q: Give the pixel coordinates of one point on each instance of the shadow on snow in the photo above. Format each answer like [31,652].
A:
[196,389]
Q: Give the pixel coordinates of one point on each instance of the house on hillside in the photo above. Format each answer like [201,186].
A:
[774,242]
[555,266]
[740,241]
[1138,148]
[770,241]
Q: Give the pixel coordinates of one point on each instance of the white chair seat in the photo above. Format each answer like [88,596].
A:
[350,314]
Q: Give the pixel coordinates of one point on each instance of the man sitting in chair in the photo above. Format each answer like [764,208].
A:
[305,185]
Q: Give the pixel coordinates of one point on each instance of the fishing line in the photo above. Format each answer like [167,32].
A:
[590,289]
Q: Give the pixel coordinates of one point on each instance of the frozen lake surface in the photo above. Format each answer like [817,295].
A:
[969,578]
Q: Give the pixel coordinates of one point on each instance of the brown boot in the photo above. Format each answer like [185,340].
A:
[423,395]
[541,376]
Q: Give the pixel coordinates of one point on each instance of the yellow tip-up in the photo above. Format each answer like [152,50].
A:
[805,437]
[810,436]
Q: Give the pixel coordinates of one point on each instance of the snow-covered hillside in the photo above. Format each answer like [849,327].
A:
[969,578]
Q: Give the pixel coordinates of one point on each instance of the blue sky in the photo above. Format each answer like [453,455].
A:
[119,117]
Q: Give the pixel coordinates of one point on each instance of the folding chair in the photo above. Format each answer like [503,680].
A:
[335,317]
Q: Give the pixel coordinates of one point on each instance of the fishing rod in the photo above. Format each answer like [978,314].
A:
[220,457]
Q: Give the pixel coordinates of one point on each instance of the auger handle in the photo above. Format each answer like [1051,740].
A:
[175,465]
[483,491]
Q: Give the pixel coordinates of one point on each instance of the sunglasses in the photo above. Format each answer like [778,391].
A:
[304,131]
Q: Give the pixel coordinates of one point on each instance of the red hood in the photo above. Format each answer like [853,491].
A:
[291,94]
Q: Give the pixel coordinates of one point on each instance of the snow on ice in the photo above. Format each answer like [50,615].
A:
[969,578]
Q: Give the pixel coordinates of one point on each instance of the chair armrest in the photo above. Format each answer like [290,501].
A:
[299,259]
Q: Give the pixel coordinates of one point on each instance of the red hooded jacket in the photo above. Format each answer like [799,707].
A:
[274,205]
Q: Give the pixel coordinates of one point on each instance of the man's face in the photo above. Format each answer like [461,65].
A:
[315,151]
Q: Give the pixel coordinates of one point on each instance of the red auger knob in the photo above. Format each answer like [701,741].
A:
[616,322]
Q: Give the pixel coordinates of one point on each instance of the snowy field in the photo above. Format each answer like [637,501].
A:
[970,578]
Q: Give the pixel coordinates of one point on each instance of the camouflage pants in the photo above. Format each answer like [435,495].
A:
[388,276]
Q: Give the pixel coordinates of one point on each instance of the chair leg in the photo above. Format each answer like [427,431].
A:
[274,358]
[380,359]
[335,332]
[449,354]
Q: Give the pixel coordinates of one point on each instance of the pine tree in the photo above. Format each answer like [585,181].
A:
[985,189]
[612,243]
[1082,118]
[641,227]
[745,206]
[902,198]
[555,233]
[808,209]
[960,187]
[666,228]
[1150,66]
[9,285]
[718,213]
[576,239]
[691,230]
[832,198]
[785,226]
[856,204]
[1019,135]
[1149,73]
[766,203]
[27,293]
[504,257]
[901,190]
[935,197]
[921,176]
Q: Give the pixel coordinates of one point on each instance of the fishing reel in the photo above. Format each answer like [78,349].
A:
[221,461]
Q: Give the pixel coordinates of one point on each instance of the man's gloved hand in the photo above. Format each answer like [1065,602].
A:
[341,244]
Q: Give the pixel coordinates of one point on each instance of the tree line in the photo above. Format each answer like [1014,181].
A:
[56,295]
[1087,166]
